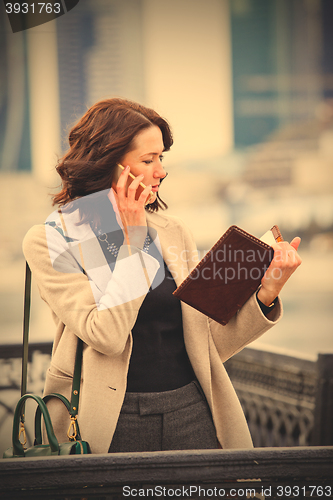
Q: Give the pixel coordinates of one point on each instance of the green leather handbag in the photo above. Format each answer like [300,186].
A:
[74,446]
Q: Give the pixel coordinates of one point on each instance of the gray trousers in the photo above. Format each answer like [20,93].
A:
[170,420]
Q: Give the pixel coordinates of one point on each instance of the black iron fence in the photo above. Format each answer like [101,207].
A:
[10,385]
[288,401]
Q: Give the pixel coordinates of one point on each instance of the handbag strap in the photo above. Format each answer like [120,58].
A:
[75,395]
[26,320]
[76,379]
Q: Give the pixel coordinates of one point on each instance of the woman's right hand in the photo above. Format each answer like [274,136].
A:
[131,208]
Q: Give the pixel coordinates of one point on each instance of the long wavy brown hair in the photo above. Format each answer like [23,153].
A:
[99,141]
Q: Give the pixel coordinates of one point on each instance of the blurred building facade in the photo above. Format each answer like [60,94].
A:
[247,86]
[247,68]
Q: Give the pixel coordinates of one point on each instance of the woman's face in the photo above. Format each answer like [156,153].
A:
[146,158]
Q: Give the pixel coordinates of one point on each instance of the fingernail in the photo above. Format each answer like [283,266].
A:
[127,168]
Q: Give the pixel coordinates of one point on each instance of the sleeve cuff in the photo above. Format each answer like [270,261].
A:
[267,309]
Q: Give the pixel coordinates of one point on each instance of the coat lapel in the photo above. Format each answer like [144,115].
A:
[172,247]
[90,255]
[196,332]
[195,329]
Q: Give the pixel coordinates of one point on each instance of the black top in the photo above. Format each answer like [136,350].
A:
[159,361]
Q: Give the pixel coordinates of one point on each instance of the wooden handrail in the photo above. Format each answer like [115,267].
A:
[108,475]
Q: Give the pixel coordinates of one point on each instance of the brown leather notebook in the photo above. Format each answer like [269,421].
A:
[227,275]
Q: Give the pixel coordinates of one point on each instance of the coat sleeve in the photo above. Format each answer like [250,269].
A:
[104,325]
[248,324]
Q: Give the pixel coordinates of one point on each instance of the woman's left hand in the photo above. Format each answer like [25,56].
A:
[285,262]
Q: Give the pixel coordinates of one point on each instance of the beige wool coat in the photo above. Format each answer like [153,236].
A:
[101,309]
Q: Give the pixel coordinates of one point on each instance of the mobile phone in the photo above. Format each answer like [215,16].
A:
[120,169]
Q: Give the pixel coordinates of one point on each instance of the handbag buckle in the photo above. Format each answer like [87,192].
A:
[22,431]
[72,430]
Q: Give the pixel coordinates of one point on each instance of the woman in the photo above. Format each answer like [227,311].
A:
[107,263]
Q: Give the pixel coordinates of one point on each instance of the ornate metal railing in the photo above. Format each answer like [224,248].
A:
[10,385]
[278,395]
[287,401]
